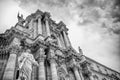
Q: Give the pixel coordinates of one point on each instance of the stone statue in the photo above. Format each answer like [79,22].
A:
[21,20]
[80,50]
[25,62]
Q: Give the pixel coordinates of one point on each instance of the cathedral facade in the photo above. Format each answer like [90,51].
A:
[37,48]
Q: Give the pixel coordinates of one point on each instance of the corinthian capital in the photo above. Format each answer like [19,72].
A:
[41,57]
[15,49]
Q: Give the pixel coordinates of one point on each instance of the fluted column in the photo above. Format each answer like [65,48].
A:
[53,65]
[39,25]
[47,25]
[77,76]
[67,42]
[59,42]
[35,29]
[34,73]
[41,65]
[53,69]
[10,67]
[62,41]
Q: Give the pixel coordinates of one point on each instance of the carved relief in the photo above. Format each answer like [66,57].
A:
[61,73]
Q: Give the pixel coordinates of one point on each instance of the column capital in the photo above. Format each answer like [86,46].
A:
[52,60]
[14,49]
[41,50]
[39,17]
[42,58]
[41,54]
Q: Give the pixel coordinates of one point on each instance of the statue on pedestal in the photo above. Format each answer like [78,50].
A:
[21,20]
[25,62]
[80,50]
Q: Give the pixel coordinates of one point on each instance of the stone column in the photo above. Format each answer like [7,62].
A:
[53,65]
[39,25]
[41,65]
[62,41]
[35,29]
[47,25]
[81,75]
[59,42]
[10,67]
[77,76]
[53,69]
[67,42]
[34,73]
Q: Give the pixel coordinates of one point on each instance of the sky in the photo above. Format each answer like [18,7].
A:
[94,25]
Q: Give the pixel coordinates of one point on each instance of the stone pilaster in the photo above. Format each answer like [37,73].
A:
[47,24]
[35,29]
[62,41]
[39,25]
[10,68]
[77,76]
[67,42]
[59,42]
[75,67]
[53,69]
[53,65]
[80,72]
[41,65]
[9,73]
[34,73]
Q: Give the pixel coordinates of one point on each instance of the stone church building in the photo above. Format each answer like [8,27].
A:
[37,48]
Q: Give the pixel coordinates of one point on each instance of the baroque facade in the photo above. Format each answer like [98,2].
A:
[38,40]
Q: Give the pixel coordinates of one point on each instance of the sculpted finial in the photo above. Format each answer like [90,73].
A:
[80,50]
[20,19]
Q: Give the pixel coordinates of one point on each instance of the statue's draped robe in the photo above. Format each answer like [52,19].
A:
[26,60]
